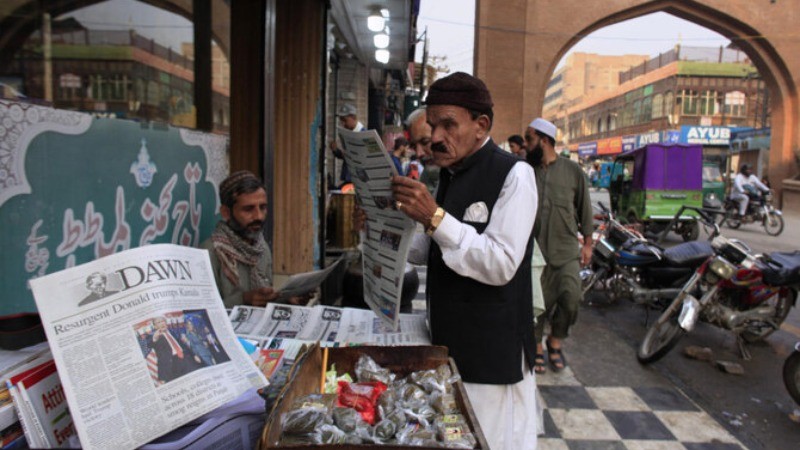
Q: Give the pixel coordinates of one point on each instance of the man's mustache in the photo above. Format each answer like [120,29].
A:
[438,147]
[255,223]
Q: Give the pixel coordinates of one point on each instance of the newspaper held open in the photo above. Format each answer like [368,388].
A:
[142,343]
[388,231]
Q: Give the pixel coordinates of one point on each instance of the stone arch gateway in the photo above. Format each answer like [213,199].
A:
[519,42]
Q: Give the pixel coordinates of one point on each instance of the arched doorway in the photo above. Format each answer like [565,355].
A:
[509,43]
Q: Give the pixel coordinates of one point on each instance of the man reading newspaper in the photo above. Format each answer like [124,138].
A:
[240,257]
[478,248]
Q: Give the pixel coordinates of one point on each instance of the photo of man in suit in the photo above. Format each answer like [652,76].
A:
[171,355]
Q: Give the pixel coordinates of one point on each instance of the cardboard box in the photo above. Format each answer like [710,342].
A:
[305,379]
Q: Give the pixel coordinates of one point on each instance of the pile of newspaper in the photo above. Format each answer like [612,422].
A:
[33,407]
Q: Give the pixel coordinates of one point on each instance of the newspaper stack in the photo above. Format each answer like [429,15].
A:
[39,407]
[142,343]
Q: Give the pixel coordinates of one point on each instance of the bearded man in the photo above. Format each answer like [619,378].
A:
[240,257]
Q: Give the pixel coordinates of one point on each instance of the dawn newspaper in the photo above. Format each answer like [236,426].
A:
[388,231]
[142,343]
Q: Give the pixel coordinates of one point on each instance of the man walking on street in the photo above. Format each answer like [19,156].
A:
[564,210]
[348,119]
[477,244]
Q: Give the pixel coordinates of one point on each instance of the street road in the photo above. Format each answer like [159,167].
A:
[755,406]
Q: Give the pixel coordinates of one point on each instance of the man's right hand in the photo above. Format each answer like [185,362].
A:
[260,296]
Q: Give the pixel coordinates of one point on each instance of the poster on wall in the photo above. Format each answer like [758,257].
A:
[74,188]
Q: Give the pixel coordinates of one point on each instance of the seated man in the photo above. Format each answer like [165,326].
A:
[240,257]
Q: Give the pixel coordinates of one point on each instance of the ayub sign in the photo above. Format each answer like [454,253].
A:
[691,134]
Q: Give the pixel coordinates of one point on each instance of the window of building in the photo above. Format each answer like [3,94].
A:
[689,102]
[637,112]
[708,103]
[669,103]
[658,106]
[611,122]
[647,109]
[735,104]
[600,125]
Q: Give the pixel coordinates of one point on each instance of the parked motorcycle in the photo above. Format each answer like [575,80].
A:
[759,209]
[628,265]
[748,294]
[791,374]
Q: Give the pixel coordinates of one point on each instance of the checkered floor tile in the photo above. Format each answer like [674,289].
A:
[643,418]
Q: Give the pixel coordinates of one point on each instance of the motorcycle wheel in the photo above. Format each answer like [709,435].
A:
[690,231]
[791,375]
[759,330]
[662,336]
[731,220]
[773,224]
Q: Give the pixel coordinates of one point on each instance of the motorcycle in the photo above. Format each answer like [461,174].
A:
[750,295]
[759,209]
[631,266]
[791,374]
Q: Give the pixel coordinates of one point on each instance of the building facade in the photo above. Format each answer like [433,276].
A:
[712,88]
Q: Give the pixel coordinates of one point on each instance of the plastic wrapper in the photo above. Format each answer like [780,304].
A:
[440,379]
[444,403]
[414,433]
[362,397]
[412,394]
[385,430]
[453,431]
[307,413]
[387,402]
[347,419]
[397,416]
[332,380]
[328,434]
[422,414]
[368,370]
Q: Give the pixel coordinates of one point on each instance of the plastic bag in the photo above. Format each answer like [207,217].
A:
[453,431]
[368,370]
[362,397]
[444,403]
[347,419]
[308,412]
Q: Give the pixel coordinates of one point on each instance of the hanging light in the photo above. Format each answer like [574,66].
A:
[376,21]
[382,56]
[381,40]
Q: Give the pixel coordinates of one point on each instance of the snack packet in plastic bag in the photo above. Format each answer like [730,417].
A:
[368,370]
[362,397]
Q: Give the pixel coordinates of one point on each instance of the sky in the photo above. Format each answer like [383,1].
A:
[450,28]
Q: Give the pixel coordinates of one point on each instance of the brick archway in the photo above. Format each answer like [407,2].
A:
[518,44]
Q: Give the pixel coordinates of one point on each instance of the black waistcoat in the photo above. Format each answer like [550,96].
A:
[486,328]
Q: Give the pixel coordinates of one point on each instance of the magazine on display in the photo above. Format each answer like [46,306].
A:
[142,343]
[388,231]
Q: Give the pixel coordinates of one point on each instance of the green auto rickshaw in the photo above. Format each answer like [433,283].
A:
[653,182]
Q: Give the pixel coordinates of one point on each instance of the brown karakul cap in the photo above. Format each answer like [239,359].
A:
[460,89]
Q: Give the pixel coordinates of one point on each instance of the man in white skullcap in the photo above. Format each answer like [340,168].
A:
[564,210]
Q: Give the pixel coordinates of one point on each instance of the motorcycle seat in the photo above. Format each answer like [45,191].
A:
[688,253]
[787,274]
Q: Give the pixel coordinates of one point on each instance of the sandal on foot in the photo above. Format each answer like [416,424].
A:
[539,364]
[557,360]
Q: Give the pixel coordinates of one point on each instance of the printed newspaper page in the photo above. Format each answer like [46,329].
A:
[388,231]
[142,343]
[329,325]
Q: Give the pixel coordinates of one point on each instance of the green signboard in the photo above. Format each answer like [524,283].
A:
[75,188]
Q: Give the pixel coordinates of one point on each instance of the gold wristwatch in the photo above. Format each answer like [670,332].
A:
[436,220]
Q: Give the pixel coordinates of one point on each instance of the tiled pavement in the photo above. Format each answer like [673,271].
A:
[623,417]
[577,417]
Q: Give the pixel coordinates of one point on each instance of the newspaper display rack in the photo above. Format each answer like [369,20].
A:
[142,343]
